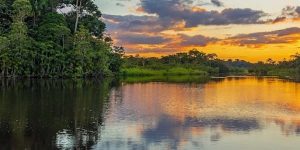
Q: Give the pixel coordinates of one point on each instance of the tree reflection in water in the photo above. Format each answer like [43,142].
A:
[39,114]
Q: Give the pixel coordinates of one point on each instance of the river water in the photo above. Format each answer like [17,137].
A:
[230,113]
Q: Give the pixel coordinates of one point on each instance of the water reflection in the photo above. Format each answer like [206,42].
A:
[228,113]
[224,113]
[48,114]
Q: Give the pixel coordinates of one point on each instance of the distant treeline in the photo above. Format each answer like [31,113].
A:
[194,62]
[285,68]
[55,38]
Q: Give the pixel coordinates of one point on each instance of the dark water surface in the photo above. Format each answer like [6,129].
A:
[234,113]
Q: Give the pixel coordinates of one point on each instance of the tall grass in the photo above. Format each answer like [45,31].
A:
[184,71]
[140,72]
[175,71]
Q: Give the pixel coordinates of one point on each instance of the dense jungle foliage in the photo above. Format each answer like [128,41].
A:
[55,38]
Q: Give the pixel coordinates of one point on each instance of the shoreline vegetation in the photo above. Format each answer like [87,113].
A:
[197,63]
[172,71]
[169,79]
[40,39]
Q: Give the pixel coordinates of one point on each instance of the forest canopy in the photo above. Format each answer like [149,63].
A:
[55,38]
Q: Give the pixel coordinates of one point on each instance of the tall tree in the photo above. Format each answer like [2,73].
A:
[19,42]
[86,13]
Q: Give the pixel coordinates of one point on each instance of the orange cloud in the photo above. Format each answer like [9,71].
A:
[166,28]
[140,10]
[198,9]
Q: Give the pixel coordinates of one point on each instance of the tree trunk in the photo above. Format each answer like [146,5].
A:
[3,72]
[78,7]
[63,42]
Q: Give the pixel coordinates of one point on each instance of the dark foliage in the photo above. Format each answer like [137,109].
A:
[54,38]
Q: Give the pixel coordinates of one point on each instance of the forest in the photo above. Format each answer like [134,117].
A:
[55,38]
[66,38]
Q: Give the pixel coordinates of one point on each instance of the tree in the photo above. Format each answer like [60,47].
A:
[82,49]
[19,42]
[4,59]
[116,59]
[270,61]
[38,41]
[54,28]
[5,16]
[22,9]
[87,14]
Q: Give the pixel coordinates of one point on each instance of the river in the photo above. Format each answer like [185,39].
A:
[230,113]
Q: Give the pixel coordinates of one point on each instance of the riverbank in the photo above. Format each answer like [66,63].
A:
[170,79]
[182,74]
[162,72]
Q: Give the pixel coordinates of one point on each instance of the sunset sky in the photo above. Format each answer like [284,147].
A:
[252,30]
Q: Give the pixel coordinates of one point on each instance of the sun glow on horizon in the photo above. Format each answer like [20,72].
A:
[227,28]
